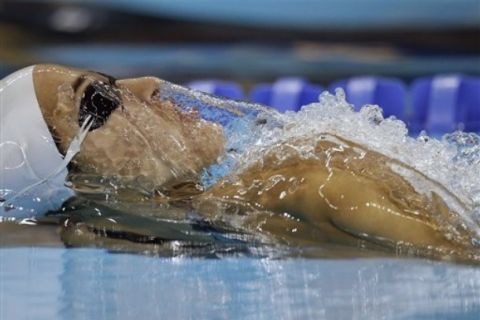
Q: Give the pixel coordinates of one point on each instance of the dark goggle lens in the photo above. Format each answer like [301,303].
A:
[99,101]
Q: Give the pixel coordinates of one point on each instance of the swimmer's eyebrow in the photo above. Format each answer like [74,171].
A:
[83,77]
[111,79]
[78,82]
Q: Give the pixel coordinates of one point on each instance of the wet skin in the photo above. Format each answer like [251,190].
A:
[142,137]
[347,193]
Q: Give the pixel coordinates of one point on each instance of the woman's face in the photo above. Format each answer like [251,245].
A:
[134,134]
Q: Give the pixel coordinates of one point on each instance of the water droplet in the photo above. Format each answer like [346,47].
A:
[9,207]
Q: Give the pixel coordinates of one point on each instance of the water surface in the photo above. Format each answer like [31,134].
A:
[42,283]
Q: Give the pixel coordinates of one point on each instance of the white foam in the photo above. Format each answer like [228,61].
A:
[453,161]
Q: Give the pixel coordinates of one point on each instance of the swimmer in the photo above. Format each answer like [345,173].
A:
[346,193]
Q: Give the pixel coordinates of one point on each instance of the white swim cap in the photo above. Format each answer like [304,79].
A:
[28,153]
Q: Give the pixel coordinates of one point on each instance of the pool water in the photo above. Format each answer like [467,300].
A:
[57,283]
[176,272]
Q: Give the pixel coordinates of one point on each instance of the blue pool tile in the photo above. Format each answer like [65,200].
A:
[388,93]
[286,94]
[226,89]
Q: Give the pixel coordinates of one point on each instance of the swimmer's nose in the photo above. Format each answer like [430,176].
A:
[144,88]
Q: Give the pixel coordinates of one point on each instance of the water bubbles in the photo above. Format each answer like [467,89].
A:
[467,146]
[28,221]
[9,207]
[454,161]
[3,194]
[423,137]
[476,242]
[372,113]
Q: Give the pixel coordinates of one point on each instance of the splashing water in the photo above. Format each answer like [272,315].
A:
[453,161]
[251,130]
[244,124]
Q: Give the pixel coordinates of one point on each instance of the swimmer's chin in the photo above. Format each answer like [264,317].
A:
[147,161]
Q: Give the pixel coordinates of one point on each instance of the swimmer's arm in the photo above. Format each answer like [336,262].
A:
[352,204]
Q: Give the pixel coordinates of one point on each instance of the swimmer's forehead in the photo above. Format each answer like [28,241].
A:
[48,78]
[74,76]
